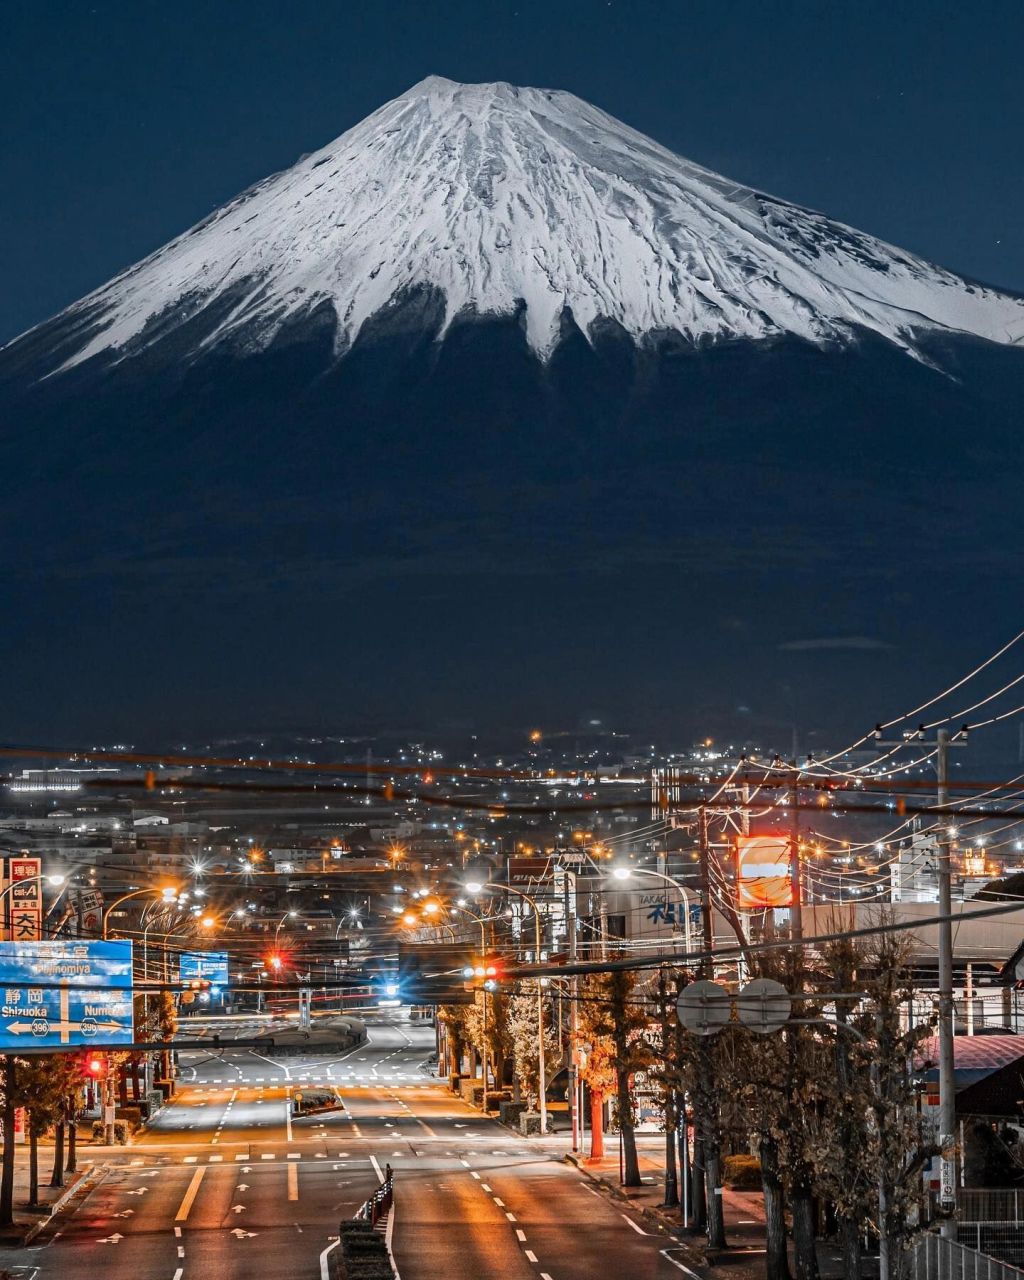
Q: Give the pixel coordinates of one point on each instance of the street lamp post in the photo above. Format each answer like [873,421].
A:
[499,888]
[483,950]
[624,873]
[169,893]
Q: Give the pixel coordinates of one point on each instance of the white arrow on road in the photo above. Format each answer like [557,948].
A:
[237,1208]
[125,1213]
[242,1186]
[116,1238]
[152,1173]
[139,1191]
[239,1234]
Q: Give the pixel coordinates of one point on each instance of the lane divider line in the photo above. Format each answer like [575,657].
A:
[190,1194]
[293,1181]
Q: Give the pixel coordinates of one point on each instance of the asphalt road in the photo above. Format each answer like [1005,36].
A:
[228,1183]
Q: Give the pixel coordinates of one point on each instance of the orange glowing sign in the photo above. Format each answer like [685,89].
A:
[762,872]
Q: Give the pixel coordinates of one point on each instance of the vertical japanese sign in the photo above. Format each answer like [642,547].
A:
[26,900]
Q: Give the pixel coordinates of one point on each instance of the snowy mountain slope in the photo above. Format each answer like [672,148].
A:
[496,196]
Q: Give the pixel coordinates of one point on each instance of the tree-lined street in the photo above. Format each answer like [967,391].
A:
[227,1182]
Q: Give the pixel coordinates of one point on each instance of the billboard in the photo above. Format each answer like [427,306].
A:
[65,994]
[26,899]
[205,966]
[763,872]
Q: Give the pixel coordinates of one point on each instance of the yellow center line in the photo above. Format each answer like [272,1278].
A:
[190,1195]
[293,1182]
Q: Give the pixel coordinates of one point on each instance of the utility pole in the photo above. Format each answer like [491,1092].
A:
[947,1094]
[796,911]
[574,1070]
[706,1093]
[947,1099]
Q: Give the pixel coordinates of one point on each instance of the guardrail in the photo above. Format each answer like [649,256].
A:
[379,1204]
[933,1257]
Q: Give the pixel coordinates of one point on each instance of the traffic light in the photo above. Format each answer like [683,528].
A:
[96,1067]
[484,973]
[274,962]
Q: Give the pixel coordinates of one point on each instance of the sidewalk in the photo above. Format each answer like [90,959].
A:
[28,1222]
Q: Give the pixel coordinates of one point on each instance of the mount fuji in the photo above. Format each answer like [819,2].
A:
[496,406]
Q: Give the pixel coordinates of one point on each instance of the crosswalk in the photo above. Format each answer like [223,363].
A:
[348,1077]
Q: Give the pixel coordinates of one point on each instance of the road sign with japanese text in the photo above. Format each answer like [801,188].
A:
[64,994]
[25,896]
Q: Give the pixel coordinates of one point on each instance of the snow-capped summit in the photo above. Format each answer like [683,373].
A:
[500,196]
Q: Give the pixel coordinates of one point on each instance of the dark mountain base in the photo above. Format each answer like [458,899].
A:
[427,530]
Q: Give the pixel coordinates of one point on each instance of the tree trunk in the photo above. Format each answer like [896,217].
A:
[7,1174]
[698,1185]
[777,1252]
[72,1164]
[122,1087]
[33,1165]
[706,1096]
[57,1174]
[630,1163]
[804,1248]
[851,1246]
[596,1124]
[136,1093]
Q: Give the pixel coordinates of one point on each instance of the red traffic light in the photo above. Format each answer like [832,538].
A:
[274,961]
[96,1067]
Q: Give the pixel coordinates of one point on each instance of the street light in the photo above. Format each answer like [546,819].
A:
[288,915]
[624,873]
[474,887]
[169,893]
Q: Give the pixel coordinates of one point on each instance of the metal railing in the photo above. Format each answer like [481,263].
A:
[933,1257]
[379,1204]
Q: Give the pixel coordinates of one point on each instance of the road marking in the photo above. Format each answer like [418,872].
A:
[499,1203]
[530,1255]
[665,1253]
[293,1182]
[191,1159]
[177,1233]
[190,1194]
[474,1174]
[544,1276]
[288,1112]
[241,1157]
[294,1155]
[511,1217]
[377,1169]
[638,1230]
[216,1159]
[485,1187]
[268,1155]
[521,1237]
[178,1273]
[325,1270]
[181,1251]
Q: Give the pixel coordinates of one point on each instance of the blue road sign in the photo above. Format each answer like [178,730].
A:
[207,966]
[65,994]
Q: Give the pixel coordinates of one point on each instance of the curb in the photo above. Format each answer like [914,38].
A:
[696,1253]
[86,1182]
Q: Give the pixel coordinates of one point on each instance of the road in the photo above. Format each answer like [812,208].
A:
[228,1183]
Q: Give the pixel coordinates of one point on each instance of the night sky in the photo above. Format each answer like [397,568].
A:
[123,123]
